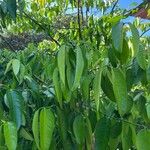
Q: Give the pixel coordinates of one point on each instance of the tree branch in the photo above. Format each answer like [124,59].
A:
[79,20]
[43,28]
[114,6]
[145,32]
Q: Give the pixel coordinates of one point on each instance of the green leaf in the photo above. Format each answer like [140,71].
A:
[79,68]
[126,136]
[135,38]
[15,104]
[26,135]
[117,36]
[79,129]
[46,128]
[57,86]
[2,142]
[105,83]
[43,126]
[88,134]
[120,90]
[16,66]
[12,8]
[102,132]
[10,134]
[97,88]
[8,66]
[143,139]
[124,56]
[148,110]
[141,58]
[61,62]
[35,128]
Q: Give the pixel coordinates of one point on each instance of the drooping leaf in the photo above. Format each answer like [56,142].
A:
[135,38]
[10,134]
[102,132]
[12,8]
[61,62]
[57,86]
[105,83]
[35,128]
[117,36]
[97,88]
[79,68]
[25,134]
[46,128]
[141,57]
[120,90]
[143,139]
[43,126]
[15,104]
[79,129]
[16,66]
[126,136]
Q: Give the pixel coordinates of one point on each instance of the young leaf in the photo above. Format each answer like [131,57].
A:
[79,68]
[79,129]
[61,62]
[102,132]
[46,128]
[16,66]
[143,139]
[10,134]
[120,90]
[117,36]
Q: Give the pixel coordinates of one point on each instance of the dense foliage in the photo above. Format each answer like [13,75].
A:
[86,88]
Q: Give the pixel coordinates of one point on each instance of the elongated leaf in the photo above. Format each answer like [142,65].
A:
[79,129]
[105,83]
[61,62]
[135,38]
[126,136]
[15,104]
[8,66]
[102,132]
[46,128]
[148,111]
[26,135]
[2,142]
[16,66]
[120,90]
[57,86]
[10,134]
[79,68]
[117,36]
[143,140]
[35,128]
[12,8]
[97,88]
[141,58]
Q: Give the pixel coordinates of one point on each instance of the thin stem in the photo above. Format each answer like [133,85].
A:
[114,6]
[43,28]
[145,32]
[79,21]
